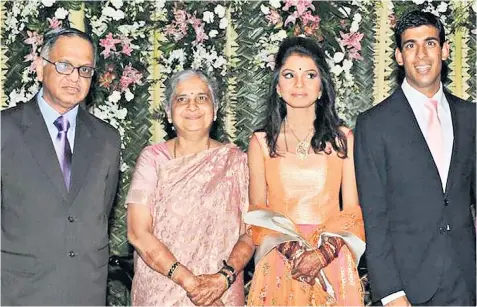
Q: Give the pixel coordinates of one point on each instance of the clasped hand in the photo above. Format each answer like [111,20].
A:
[206,290]
[307,267]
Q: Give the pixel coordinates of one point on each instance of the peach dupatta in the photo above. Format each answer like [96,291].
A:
[273,272]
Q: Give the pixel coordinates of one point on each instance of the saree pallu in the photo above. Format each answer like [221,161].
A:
[196,203]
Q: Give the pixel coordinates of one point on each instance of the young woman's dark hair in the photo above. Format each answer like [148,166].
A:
[327,122]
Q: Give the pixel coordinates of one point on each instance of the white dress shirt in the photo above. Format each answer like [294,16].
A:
[416,100]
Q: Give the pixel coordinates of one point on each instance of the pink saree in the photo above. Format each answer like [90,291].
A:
[196,203]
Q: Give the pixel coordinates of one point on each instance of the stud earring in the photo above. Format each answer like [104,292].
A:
[279,94]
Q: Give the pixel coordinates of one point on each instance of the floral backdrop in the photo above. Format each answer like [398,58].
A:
[142,43]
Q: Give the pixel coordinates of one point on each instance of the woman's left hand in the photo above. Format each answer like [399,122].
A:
[209,289]
[307,267]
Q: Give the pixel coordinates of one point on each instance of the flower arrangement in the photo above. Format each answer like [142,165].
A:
[121,30]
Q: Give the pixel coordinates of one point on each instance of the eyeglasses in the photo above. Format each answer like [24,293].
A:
[65,68]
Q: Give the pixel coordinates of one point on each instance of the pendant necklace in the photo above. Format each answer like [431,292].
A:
[175,146]
[302,147]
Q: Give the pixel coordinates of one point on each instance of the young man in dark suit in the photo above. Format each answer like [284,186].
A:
[415,166]
[59,176]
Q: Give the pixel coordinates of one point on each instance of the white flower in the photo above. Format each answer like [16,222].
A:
[114,97]
[117,3]
[123,167]
[220,62]
[357,17]
[275,3]
[223,23]
[220,11]
[418,1]
[354,27]
[338,57]
[122,113]
[115,14]
[17,96]
[347,64]
[61,13]
[265,10]
[213,33]
[47,3]
[282,34]
[474,6]
[98,26]
[336,70]
[442,7]
[208,17]
[160,4]
[128,95]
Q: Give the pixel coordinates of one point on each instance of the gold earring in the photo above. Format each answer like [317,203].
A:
[319,95]
[279,94]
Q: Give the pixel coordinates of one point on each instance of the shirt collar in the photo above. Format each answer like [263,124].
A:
[416,97]
[50,114]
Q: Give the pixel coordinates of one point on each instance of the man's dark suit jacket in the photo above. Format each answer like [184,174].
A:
[55,242]
[409,220]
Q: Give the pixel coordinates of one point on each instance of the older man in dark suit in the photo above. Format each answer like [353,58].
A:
[415,166]
[59,177]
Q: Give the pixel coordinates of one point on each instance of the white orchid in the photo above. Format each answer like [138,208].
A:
[265,9]
[208,17]
[128,95]
[220,11]
[115,97]
[61,13]
[338,57]
[117,3]
[114,14]
[223,23]
[48,3]
[442,7]
[275,3]
[213,33]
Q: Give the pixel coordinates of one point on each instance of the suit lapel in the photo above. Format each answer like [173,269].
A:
[38,140]
[456,143]
[83,153]
[408,126]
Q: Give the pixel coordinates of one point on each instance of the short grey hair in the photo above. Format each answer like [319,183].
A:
[184,75]
[51,37]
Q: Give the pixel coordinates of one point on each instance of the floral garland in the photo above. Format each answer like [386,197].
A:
[322,21]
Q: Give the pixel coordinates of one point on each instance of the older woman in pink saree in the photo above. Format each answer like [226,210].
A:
[185,207]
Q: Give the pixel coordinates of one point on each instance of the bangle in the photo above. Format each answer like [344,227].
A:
[230,272]
[173,269]
[228,267]
[226,278]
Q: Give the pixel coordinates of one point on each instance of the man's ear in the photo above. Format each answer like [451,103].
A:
[39,69]
[398,55]
[445,51]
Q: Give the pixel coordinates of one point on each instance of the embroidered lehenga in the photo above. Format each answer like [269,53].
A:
[307,192]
